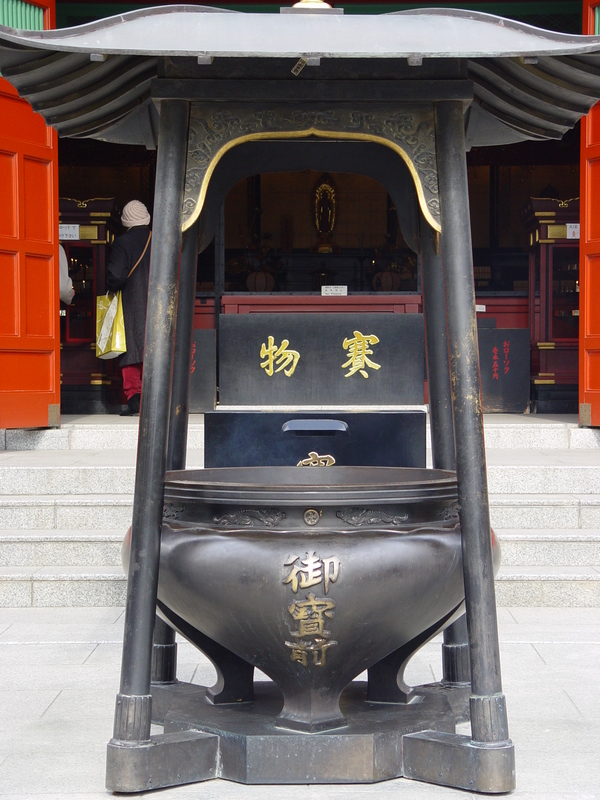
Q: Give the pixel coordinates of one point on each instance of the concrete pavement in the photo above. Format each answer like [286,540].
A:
[59,671]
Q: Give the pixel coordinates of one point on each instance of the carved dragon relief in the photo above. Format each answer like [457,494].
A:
[359,517]
[214,130]
[450,513]
[171,511]
[251,517]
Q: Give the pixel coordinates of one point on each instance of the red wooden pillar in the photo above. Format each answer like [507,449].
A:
[29,302]
[589,256]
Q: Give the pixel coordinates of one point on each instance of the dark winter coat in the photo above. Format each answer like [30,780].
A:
[124,253]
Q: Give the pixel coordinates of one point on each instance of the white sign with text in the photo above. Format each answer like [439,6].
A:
[68,233]
[334,291]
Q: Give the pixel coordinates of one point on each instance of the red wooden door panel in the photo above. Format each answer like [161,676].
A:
[589,253]
[29,302]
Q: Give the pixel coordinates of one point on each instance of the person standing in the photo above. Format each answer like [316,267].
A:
[128,269]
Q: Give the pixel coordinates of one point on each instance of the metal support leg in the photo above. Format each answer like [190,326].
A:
[164,654]
[488,710]
[436,338]
[485,762]
[135,761]
[164,651]
[180,401]
[455,650]
[456,667]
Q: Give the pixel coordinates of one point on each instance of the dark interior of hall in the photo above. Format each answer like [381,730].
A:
[272,243]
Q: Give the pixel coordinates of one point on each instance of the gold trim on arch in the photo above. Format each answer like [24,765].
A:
[303,134]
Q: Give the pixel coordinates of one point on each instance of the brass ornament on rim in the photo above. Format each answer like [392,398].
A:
[214,131]
[315,460]
[311,516]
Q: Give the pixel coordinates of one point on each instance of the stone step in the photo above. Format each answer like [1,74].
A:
[81,483]
[502,432]
[95,512]
[106,586]
[70,472]
[532,433]
[544,479]
[113,472]
[101,548]
[548,586]
[545,511]
[543,471]
[62,586]
[549,548]
[96,433]
[66,512]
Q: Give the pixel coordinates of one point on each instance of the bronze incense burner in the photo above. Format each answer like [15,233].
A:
[310,575]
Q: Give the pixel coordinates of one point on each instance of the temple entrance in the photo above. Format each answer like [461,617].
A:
[272,251]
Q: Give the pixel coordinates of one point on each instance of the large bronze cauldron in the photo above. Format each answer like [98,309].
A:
[311,575]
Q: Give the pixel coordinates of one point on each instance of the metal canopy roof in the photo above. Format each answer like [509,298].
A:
[110,99]
[191,30]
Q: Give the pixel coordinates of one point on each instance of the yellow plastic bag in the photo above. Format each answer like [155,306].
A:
[110,326]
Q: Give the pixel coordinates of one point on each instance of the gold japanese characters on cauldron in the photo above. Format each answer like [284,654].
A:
[311,571]
[280,358]
[312,639]
[324,211]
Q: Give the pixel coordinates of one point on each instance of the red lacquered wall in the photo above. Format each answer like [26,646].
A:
[29,307]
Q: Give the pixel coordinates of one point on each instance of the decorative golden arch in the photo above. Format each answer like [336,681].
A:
[214,130]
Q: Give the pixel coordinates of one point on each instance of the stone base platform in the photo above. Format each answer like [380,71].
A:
[254,751]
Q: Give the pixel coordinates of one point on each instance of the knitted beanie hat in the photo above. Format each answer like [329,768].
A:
[135,213]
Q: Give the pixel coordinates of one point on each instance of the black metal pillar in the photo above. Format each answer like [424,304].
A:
[489,723]
[455,650]
[436,338]
[164,651]
[219,268]
[182,360]
[134,702]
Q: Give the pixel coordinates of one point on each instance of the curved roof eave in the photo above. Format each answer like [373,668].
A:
[194,30]
[528,82]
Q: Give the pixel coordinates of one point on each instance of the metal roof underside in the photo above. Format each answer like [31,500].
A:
[110,99]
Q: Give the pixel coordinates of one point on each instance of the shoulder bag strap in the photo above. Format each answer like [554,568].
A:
[140,258]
